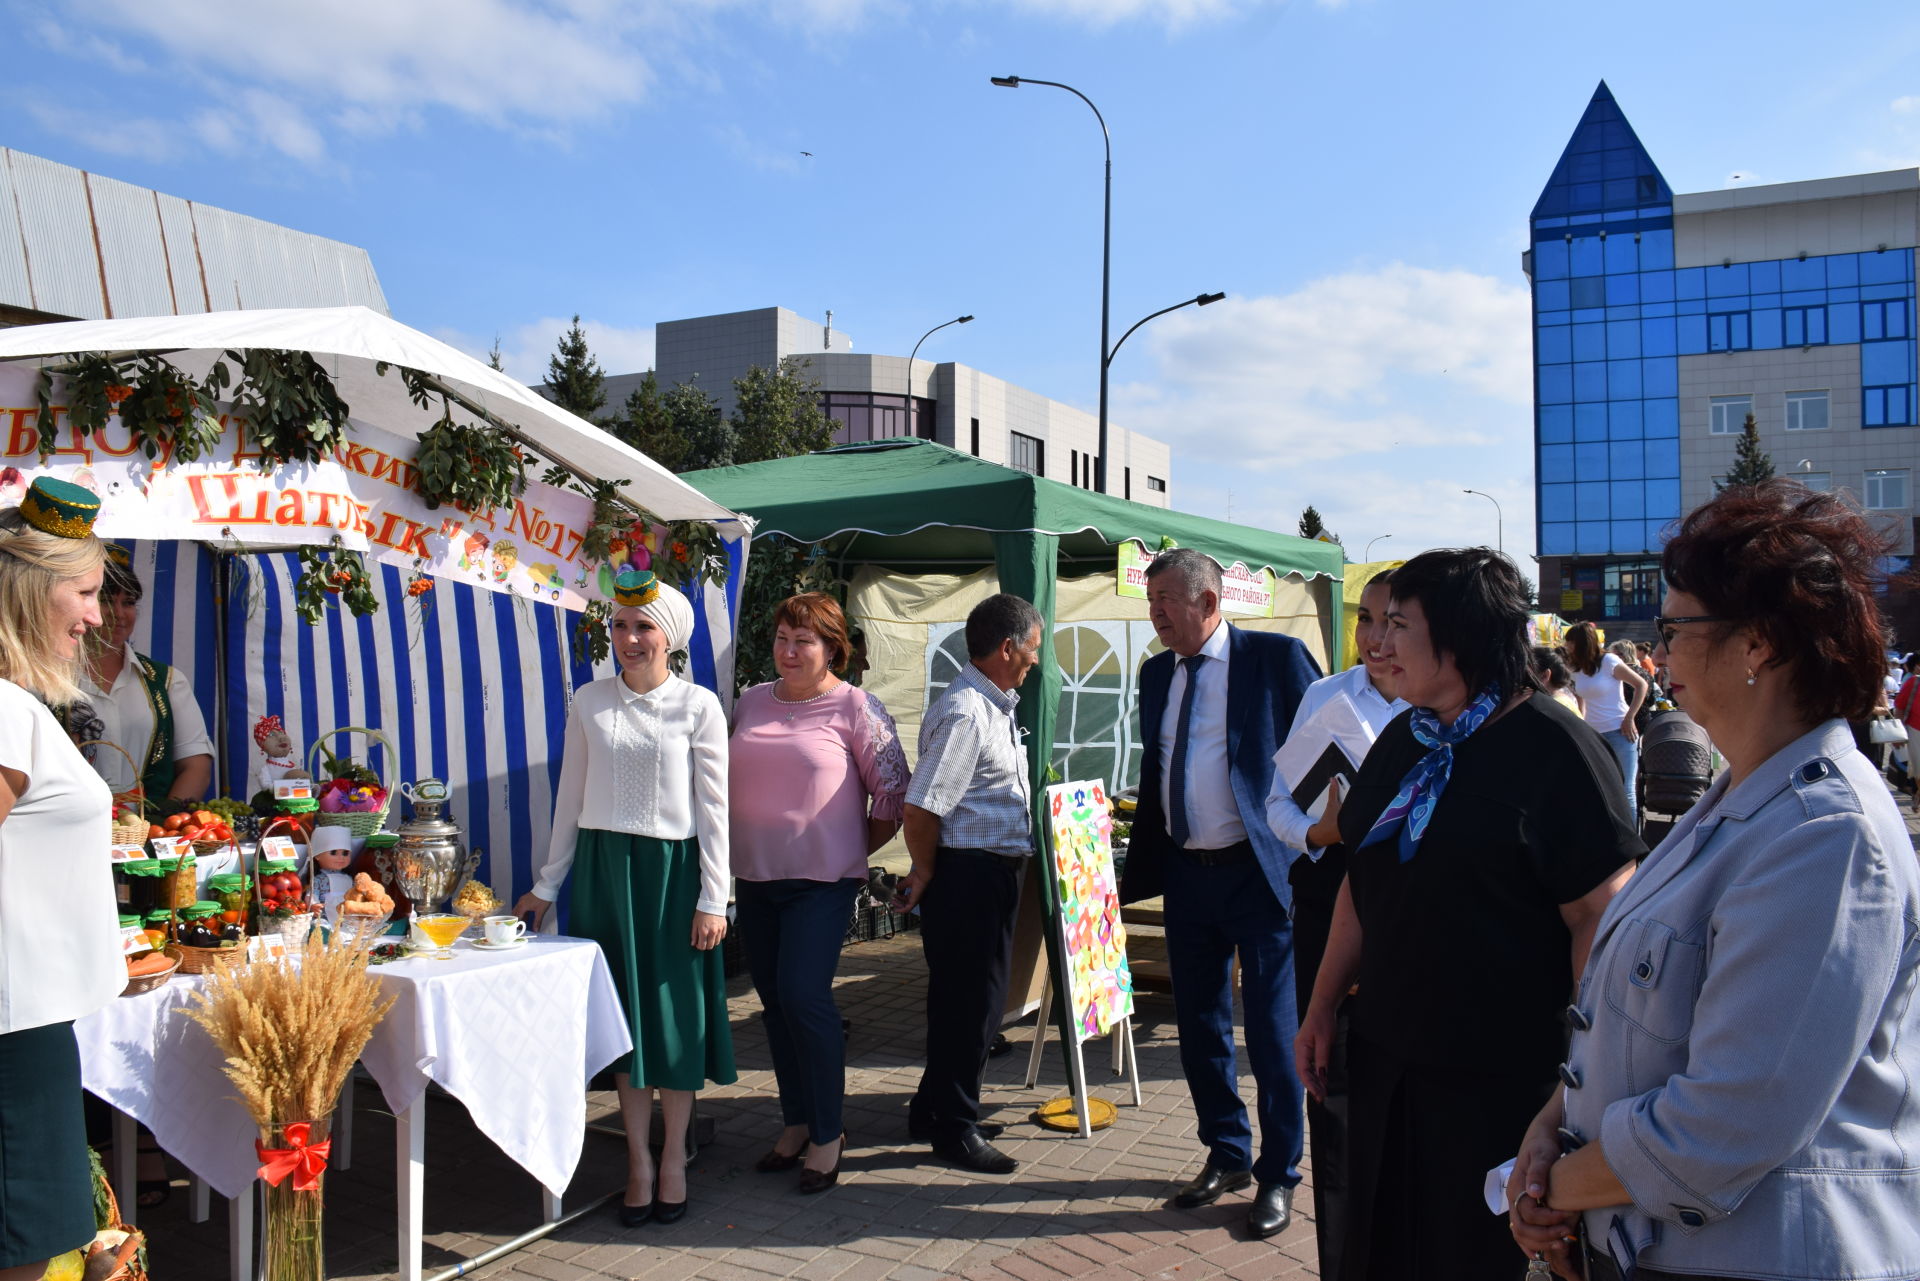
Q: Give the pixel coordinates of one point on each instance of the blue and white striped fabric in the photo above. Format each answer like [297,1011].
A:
[472,689]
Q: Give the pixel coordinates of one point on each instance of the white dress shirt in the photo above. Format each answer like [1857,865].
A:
[1288,821]
[1213,816]
[127,715]
[652,764]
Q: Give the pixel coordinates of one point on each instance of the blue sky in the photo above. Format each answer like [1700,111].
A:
[1355,174]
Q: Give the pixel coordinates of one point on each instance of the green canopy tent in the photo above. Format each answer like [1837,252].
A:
[915,506]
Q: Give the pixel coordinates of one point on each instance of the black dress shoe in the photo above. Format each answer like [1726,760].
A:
[1272,1211]
[1208,1186]
[633,1216]
[777,1162]
[668,1211]
[921,1130]
[972,1152]
[812,1180]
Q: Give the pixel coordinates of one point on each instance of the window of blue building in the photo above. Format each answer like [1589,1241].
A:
[1804,326]
[1729,331]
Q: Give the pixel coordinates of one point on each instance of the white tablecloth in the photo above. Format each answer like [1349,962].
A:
[515,1035]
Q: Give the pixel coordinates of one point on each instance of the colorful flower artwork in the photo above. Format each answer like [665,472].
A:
[1099,980]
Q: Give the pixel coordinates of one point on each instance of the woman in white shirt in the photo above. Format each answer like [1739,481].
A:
[641,820]
[145,707]
[1610,694]
[59,933]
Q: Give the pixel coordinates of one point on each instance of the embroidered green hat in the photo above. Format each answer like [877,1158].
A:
[60,507]
[635,587]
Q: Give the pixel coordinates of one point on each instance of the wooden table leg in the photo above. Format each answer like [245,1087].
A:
[240,1261]
[125,1175]
[410,1169]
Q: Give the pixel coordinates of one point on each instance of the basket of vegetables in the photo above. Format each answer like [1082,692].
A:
[130,806]
[352,796]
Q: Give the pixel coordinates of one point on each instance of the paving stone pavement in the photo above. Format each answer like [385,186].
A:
[1083,1209]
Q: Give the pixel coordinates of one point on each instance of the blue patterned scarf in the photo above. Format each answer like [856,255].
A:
[1412,806]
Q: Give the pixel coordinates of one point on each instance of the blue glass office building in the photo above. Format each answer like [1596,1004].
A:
[1660,322]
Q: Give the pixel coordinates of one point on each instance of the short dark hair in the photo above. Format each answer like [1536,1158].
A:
[999,618]
[1800,568]
[1384,576]
[1197,571]
[820,614]
[1476,606]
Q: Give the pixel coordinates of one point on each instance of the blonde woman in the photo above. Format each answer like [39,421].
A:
[59,935]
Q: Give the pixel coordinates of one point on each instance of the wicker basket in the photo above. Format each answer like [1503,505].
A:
[203,849]
[365,824]
[125,833]
[126,1265]
[205,960]
[363,932]
[144,983]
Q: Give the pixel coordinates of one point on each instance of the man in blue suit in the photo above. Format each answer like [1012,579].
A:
[1213,709]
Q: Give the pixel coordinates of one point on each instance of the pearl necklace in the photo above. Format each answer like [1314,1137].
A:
[798,703]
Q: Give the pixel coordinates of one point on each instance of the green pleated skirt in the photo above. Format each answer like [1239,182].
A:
[635,897]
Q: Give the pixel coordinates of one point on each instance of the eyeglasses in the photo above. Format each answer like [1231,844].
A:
[1665,625]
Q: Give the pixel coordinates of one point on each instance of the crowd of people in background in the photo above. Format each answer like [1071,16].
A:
[1700,1060]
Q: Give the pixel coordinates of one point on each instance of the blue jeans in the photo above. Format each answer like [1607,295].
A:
[792,931]
[1627,753]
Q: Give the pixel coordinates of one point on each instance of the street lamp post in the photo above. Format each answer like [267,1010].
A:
[1366,557]
[957,320]
[1106,259]
[1499,533]
[1199,300]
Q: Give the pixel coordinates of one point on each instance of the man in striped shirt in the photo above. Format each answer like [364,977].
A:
[969,832]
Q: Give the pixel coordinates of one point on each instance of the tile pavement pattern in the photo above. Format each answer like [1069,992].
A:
[1075,1209]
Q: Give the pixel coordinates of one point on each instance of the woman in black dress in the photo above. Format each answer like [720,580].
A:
[1487,829]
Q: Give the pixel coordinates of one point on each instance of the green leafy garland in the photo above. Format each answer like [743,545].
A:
[293,412]
[336,571]
[164,411]
[694,552]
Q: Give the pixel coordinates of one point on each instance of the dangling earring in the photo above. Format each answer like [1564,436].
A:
[1750,679]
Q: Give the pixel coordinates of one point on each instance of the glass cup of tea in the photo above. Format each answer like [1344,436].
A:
[441,928]
[503,931]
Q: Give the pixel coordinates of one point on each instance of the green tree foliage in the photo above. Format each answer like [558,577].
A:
[777,413]
[1312,527]
[1751,464]
[697,421]
[493,355]
[575,381]
[647,424]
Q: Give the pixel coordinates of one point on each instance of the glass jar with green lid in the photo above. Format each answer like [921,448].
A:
[230,888]
[146,886]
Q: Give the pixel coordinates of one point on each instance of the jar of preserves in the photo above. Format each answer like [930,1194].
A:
[180,874]
[146,886]
[199,924]
[230,889]
[158,922]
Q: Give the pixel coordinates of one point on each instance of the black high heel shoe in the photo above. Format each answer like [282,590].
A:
[634,1216]
[666,1211]
[812,1181]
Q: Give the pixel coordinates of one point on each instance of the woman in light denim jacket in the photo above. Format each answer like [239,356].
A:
[1741,1094]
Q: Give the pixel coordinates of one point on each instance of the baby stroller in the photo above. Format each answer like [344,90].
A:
[1676,768]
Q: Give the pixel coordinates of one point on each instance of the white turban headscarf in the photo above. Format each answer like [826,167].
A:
[672,613]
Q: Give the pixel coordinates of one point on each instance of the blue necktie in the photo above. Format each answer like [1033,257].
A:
[1177,779]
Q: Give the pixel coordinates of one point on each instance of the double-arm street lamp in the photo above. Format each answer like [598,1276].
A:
[1106,259]
[1499,534]
[957,320]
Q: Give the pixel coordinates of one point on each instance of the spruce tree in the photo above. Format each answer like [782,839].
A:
[697,420]
[1751,464]
[493,355]
[1311,526]
[575,381]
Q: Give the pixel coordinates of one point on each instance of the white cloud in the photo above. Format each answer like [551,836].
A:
[525,349]
[1171,13]
[1357,363]
[109,134]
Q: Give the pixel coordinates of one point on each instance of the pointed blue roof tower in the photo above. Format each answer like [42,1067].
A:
[1603,171]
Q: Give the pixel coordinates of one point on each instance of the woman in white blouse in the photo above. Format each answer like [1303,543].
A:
[641,820]
[59,934]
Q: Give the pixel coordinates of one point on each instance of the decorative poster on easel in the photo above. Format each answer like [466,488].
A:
[1099,982]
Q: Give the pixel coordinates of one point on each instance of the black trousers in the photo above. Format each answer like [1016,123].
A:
[1316,890]
[966,931]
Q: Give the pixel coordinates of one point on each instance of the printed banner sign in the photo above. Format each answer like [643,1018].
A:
[1099,981]
[366,494]
[1247,592]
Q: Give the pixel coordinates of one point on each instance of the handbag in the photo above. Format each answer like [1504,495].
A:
[1886,729]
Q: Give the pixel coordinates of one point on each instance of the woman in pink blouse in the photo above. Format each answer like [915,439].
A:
[817,781]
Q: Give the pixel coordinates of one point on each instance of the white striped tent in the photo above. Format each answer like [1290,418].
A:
[472,686]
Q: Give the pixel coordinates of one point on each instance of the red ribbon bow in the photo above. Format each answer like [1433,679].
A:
[303,1160]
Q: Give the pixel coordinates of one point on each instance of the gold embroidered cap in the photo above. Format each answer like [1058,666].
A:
[635,587]
[60,507]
